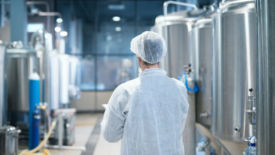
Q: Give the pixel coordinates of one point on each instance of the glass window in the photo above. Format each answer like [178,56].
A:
[116,27]
[101,33]
[87,71]
[115,70]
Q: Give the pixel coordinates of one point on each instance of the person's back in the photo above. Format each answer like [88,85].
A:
[149,112]
[156,114]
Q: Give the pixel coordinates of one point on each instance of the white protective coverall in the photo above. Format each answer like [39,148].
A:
[149,114]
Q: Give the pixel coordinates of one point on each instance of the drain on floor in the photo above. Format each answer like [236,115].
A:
[92,141]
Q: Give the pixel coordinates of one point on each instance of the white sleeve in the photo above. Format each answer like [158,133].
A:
[112,125]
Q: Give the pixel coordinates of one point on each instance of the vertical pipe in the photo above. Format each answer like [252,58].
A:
[265,104]
[2,24]
[34,99]
[18,21]
[189,133]
[60,129]
[3,109]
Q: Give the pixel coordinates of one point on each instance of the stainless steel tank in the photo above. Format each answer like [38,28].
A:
[41,41]
[266,75]
[20,64]
[202,65]
[3,104]
[9,140]
[179,26]
[234,72]
[201,60]
[74,78]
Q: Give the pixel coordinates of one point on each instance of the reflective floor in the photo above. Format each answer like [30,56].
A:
[88,134]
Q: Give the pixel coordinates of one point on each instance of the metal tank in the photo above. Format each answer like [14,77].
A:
[179,26]
[9,140]
[175,28]
[41,41]
[265,78]
[201,60]
[64,71]
[20,64]
[234,73]
[74,89]
[3,104]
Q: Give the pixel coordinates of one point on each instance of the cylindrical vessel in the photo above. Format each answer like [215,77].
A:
[35,128]
[265,78]
[8,140]
[234,72]
[41,41]
[74,78]
[34,100]
[3,103]
[54,75]
[201,54]
[64,79]
[179,26]
[20,64]
[202,65]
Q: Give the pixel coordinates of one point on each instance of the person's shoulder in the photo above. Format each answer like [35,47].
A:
[127,85]
[177,82]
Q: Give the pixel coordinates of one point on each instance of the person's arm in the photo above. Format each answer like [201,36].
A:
[112,125]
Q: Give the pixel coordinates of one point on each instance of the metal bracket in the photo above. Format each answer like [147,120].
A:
[251,110]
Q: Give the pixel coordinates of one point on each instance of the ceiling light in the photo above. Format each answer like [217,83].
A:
[57,29]
[63,33]
[59,20]
[118,29]
[116,7]
[116,18]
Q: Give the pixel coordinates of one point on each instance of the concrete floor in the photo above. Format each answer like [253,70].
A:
[84,126]
[88,134]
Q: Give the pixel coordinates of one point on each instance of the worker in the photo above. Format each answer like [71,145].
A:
[149,112]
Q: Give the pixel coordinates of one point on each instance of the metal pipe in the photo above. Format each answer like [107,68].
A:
[47,9]
[235,3]
[2,13]
[265,105]
[165,6]
[60,130]
[83,148]
[4,2]
[50,14]
[206,143]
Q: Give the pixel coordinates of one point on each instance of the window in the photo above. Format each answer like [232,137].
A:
[105,33]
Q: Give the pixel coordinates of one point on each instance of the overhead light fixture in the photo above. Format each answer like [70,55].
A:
[59,20]
[63,33]
[57,29]
[116,18]
[118,29]
[116,7]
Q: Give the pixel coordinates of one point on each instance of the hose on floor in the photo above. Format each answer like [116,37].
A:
[45,152]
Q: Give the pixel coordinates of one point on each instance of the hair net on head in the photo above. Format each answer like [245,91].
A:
[149,46]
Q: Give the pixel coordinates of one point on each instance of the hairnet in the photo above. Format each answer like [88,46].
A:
[149,46]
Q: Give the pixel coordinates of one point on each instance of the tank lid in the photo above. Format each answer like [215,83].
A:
[181,16]
[7,128]
[20,51]
[203,21]
[235,3]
